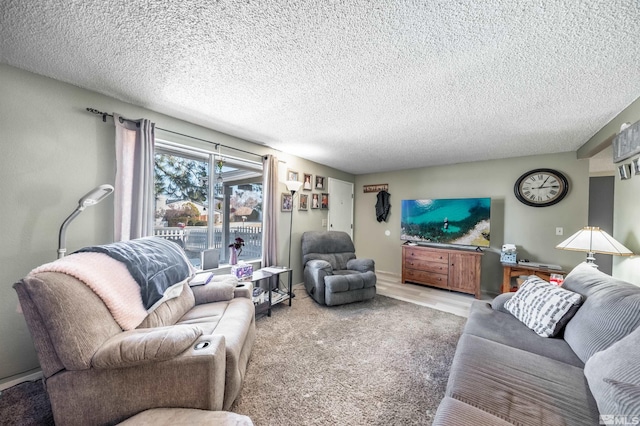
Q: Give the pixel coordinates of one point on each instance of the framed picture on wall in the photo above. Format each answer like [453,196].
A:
[303,202]
[287,202]
[319,182]
[306,183]
[324,202]
[292,175]
[636,166]
[624,170]
[315,201]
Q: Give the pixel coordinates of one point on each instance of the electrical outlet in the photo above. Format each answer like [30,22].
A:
[559,230]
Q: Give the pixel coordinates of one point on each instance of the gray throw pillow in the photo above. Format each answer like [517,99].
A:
[543,307]
[614,378]
[610,311]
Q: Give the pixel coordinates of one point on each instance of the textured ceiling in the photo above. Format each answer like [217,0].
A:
[362,86]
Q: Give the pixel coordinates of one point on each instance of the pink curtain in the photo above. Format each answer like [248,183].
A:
[134,189]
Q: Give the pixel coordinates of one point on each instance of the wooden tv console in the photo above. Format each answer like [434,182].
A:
[457,270]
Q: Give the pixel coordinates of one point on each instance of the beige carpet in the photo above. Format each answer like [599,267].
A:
[380,362]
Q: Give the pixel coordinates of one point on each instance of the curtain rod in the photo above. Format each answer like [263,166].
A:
[217,144]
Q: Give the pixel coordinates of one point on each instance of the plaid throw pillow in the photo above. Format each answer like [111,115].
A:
[545,308]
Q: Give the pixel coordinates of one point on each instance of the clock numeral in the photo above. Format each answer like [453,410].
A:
[527,193]
[540,177]
[552,192]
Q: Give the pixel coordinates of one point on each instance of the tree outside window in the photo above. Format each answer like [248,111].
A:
[198,217]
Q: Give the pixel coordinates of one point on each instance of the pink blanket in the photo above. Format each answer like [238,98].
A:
[109,279]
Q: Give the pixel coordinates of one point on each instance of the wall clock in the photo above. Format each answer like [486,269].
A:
[541,187]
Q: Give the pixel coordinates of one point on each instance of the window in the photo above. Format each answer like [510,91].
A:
[205,200]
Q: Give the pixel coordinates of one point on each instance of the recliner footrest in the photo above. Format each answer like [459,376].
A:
[350,282]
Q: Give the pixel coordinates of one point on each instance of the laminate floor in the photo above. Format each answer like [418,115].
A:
[444,300]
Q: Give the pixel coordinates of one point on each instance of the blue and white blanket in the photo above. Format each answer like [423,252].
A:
[157,265]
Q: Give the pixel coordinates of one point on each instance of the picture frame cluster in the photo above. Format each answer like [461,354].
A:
[314,200]
[626,171]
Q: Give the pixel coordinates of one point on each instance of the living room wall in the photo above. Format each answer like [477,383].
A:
[626,226]
[53,152]
[532,229]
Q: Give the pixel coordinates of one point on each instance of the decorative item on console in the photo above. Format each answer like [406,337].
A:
[235,248]
[508,253]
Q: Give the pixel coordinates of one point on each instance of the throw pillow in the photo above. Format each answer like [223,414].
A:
[545,308]
[614,377]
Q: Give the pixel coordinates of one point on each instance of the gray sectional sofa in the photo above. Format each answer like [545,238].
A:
[504,373]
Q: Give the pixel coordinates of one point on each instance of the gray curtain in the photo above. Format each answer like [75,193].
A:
[270,214]
[134,189]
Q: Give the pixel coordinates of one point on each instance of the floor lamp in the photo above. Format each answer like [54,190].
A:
[92,197]
[591,240]
[293,186]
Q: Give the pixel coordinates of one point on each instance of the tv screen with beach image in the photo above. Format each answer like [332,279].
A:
[459,221]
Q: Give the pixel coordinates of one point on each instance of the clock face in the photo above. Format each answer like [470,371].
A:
[541,187]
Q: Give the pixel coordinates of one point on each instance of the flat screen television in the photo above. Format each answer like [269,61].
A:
[456,221]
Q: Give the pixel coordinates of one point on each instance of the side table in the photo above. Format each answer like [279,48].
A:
[265,273]
[511,270]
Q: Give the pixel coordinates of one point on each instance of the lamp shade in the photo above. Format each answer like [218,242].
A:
[91,198]
[95,195]
[592,239]
[293,185]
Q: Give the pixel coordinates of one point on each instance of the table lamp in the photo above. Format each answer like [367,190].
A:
[591,240]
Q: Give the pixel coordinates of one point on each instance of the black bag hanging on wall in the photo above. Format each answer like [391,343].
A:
[383,206]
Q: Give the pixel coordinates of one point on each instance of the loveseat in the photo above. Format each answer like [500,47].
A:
[505,373]
[103,364]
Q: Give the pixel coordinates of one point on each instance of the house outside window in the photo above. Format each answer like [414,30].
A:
[206,200]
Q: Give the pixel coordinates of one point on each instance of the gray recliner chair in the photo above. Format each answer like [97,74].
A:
[332,274]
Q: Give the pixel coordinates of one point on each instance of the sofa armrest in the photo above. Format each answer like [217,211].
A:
[219,289]
[195,378]
[314,273]
[498,302]
[243,289]
[146,345]
[361,265]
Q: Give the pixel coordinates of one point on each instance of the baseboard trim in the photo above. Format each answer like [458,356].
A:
[17,379]
[389,274]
